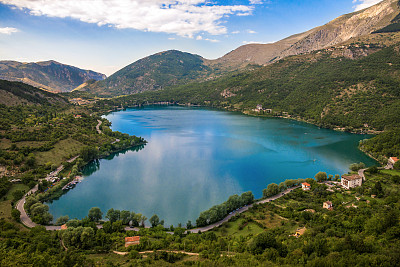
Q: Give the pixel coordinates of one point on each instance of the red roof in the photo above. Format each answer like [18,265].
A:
[132,238]
[306,184]
[394,159]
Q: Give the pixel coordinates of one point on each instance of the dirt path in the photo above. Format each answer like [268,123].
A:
[98,126]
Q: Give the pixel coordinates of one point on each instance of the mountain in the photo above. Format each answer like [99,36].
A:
[17,93]
[171,68]
[352,86]
[339,30]
[47,75]
[151,73]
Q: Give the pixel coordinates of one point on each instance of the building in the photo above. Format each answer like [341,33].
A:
[351,181]
[305,186]
[393,160]
[132,240]
[64,227]
[328,205]
[259,107]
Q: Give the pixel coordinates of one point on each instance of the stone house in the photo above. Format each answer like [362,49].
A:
[351,181]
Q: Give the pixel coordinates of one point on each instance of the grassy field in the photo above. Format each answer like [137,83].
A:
[14,188]
[61,151]
[391,172]
[235,229]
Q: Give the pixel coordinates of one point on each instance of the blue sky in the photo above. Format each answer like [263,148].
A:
[106,35]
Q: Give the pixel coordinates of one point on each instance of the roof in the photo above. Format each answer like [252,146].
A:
[395,159]
[64,227]
[328,202]
[132,238]
[351,177]
[306,184]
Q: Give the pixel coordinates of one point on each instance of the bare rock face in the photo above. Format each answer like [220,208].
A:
[47,75]
[337,31]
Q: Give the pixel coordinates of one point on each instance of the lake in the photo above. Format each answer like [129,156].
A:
[197,157]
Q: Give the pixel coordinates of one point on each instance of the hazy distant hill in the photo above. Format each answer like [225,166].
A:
[337,31]
[16,93]
[151,73]
[47,75]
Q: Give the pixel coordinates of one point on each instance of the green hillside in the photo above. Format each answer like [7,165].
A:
[152,73]
[15,93]
[319,87]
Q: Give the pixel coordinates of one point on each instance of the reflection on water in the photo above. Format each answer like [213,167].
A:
[196,158]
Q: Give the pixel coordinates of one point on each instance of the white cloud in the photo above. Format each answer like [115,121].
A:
[212,40]
[256,2]
[251,42]
[361,4]
[8,30]
[181,17]
[251,31]
[171,38]
[199,37]
[235,32]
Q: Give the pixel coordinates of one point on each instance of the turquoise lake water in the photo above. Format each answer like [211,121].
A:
[196,158]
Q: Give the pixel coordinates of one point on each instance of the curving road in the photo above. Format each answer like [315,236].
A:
[20,206]
[28,222]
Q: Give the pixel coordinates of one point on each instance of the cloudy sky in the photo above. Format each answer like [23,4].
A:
[106,35]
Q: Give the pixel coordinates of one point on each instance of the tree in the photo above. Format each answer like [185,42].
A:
[271,190]
[95,214]
[396,166]
[142,220]
[262,241]
[40,213]
[154,220]
[321,176]
[113,215]
[247,198]
[189,225]
[357,166]
[16,214]
[125,216]
[62,220]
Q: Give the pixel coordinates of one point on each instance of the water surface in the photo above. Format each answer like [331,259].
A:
[198,157]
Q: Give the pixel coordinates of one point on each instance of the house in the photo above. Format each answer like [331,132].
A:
[132,240]
[328,205]
[392,160]
[64,227]
[305,186]
[259,107]
[350,181]
[78,116]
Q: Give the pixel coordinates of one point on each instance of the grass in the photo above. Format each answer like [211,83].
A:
[105,259]
[14,188]
[233,229]
[391,172]
[61,151]
[5,213]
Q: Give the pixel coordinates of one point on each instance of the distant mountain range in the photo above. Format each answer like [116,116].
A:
[18,93]
[47,75]
[169,68]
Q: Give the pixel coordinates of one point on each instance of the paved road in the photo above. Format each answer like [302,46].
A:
[30,224]
[20,206]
